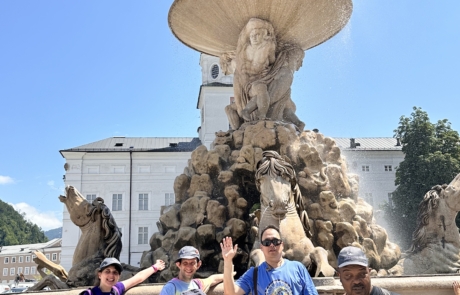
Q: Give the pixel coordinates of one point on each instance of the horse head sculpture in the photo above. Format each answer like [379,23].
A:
[436,243]
[100,238]
[282,206]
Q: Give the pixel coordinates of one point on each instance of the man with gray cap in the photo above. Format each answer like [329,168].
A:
[188,263]
[354,273]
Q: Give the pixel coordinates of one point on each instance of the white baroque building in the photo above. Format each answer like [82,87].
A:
[135,176]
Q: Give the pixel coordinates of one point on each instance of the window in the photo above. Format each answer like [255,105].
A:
[54,257]
[144,169]
[214,71]
[32,270]
[368,197]
[143,237]
[91,197]
[33,256]
[26,270]
[117,200]
[19,270]
[143,201]
[7,260]
[13,259]
[12,272]
[47,256]
[169,199]
[21,259]
[365,168]
[5,272]
[27,258]
[388,168]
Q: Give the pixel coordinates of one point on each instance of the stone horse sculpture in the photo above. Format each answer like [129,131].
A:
[100,238]
[280,201]
[436,241]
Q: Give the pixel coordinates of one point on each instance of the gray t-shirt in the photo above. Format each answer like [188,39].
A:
[379,291]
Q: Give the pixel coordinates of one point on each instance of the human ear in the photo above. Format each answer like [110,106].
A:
[198,264]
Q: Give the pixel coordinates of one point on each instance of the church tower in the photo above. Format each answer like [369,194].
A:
[216,92]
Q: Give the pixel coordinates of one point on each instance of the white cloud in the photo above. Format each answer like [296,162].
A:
[6,179]
[45,220]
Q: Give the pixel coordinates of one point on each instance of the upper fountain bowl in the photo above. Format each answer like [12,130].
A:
[213,26]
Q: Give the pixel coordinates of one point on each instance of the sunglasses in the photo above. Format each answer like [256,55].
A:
[275,242]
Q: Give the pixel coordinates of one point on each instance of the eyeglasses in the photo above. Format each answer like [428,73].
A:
[275,242]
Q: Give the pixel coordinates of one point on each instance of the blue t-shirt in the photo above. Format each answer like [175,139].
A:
[291,278]
[97,291]
[177,287]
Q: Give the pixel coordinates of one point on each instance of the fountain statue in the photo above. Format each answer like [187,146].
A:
[266,169]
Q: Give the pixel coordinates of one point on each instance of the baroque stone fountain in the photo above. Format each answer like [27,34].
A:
[262,43]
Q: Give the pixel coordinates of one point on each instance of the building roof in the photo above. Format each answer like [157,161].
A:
[368,143]
[139,144]
[24,249]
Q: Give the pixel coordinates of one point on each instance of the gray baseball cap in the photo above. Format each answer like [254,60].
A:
[188,252]
[111,261]
[351,256]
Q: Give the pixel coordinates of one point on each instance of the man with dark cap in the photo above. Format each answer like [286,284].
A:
[354,273]
[188,263]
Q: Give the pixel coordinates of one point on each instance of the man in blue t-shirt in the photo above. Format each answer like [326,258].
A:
[274,276]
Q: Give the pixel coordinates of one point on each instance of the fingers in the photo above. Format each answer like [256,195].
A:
[160,264]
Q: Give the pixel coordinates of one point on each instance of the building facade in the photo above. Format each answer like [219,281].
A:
[18,259]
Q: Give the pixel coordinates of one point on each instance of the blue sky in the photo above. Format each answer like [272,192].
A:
[73,72]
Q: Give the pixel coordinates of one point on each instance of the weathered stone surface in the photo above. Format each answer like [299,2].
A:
[199,157]
[169,239]
[236,205]
[193,210]
[259,136]
[200,183]
[238,136]
[224,152]
[170,218]
[181,185]
[214,162]
[346,234]
[225,177]
[216,213]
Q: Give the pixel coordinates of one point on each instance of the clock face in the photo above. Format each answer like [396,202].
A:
[214,71]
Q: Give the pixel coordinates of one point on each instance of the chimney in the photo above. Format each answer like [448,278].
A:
[354,144]
[398,141]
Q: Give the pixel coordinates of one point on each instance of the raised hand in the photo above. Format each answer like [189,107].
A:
[160,264]
[228,250]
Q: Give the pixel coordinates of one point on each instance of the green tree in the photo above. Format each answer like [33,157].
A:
[15,229]
[431,157]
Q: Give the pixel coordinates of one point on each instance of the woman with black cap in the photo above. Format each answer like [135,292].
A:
[108,275]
